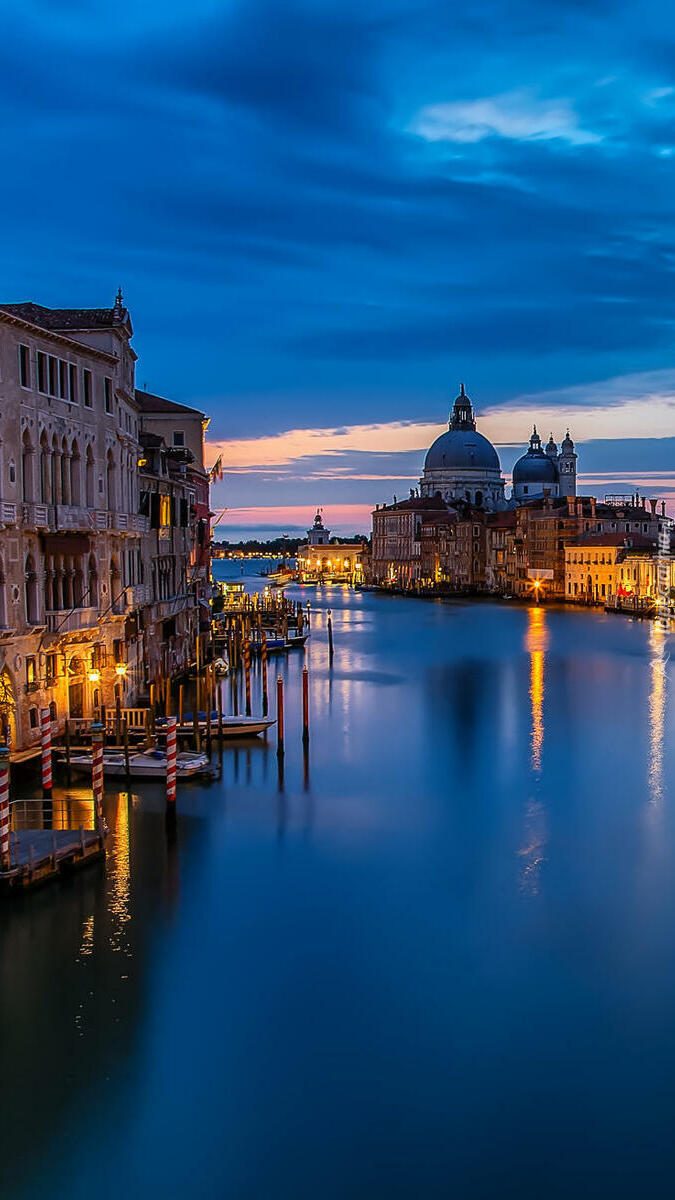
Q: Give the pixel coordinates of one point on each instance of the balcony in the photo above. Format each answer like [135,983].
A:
[73,517]
[63,622]
[128,522]
[7,513]
[138,594]
[36,516]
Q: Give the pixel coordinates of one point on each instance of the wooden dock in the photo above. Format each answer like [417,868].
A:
[41,855]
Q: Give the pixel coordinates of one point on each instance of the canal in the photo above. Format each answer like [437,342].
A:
[440,961]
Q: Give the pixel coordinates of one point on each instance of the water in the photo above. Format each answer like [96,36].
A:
[444,964]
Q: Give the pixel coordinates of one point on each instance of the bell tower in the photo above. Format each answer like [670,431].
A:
[567,467]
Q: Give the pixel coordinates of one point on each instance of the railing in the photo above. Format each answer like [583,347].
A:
[69,813]
[8,513]
[73,516]
[70,622]
[36,516]
[137,594]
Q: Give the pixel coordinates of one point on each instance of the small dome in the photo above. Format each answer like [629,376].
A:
[551,447]
[567,444]
[535,467]
[459,449]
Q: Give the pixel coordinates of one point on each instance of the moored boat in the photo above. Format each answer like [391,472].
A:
[144,764]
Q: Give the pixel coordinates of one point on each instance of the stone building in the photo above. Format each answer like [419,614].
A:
[606,568]
[323,557]
[462,464]
[75,556]
[396,558]
[546,471]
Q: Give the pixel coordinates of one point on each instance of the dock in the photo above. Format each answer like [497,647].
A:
[41,855]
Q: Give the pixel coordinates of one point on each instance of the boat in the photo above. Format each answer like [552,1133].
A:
[275,645]
[144,764]
[296,639]
[232,726]
[221,666]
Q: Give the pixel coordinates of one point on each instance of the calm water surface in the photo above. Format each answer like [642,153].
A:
[443,963]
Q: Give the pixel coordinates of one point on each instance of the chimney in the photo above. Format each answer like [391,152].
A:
[580,506]
[652,505]
[663,508]
[571,505]
[593,506]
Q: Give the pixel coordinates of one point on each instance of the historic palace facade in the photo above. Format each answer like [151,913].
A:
[99,587]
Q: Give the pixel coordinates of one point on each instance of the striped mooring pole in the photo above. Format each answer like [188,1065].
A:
[4,808]
[46,742]
[280,717]
[97,769]
[305,706]
[263,655]
[171,762]
[247,675]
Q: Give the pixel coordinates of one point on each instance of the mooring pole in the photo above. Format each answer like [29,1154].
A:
[4,808]
[280,717]
[46,740]
[263,657]
[247,675]
[97,770]
[170,761]
[330,637]
[305,706]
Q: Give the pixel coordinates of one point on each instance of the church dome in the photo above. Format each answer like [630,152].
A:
[461,449]
[535,466]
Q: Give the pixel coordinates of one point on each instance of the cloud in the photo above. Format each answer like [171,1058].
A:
[518,115]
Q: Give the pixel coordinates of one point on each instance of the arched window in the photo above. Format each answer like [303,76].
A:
[75,474]
[111,480]
[32,613]
[90,478]
[65,473]
[45,470]
[117,600]
[27,455]
[52,710]
[92,599]
[56,471]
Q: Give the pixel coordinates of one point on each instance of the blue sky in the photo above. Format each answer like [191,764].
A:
[324,215]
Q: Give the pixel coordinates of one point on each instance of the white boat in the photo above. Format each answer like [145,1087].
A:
[144,764]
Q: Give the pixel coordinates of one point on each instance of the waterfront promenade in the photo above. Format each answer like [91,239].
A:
[440,961]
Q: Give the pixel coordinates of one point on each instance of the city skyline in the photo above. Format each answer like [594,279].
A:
[324,216]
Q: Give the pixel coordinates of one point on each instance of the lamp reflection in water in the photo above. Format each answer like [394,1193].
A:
[532,852]
[119,873]
[657,713]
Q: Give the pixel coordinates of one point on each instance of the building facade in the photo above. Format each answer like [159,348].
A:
[75,547]
[323,557]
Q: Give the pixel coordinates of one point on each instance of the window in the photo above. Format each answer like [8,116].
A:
[72,383]
[24,366]
[179,437]
[31,676]
[33,718]
[107,395]
[52,710]
[12,471]
[86,388]
[64,380]
[53,374]
[42,372]
[52,662]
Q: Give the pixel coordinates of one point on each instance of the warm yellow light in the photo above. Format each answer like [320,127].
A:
[121,669]
[94,676]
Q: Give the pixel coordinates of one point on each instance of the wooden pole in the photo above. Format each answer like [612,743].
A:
[167,697]
[195,727]
[67,741]
[220,718]
[305,705]
[330,637]
[4,808]
[97,770]
[235,694]
[118,721]
[127,767]
[265,702]
[180,704]
[247,675]
[171,762]
[280,717]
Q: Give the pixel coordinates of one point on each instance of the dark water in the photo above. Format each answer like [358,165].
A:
[444,965]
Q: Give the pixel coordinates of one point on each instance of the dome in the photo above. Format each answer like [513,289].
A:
[567,444]
[461,449]
[535,467]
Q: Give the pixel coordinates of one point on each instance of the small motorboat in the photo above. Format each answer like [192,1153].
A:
[232,726]
[296,639]
[144,764]
[275,645]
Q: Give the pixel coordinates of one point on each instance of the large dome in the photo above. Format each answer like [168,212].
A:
[461,449]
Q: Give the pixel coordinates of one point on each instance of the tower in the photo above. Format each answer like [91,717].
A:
[567,467]
[318,535]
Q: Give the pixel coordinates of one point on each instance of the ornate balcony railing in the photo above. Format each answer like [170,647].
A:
[35,516]
[7,513]
[80,618]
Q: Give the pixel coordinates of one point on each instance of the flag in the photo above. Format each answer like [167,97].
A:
[216,471]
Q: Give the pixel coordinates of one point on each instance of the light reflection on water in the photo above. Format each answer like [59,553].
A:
[450,927]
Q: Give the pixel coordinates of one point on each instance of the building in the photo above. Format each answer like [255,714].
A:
[500,564]
[613,569]
[542,472]
[396,557]
[462,464]
[76,570]
[323,557]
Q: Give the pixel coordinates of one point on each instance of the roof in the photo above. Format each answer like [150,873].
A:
[633,541]
[62,319]
[461,450]
[149,403]
[502,520]
[535,467]
[416,503]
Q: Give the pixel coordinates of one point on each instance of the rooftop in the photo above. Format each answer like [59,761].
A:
[61,320]
[150,403]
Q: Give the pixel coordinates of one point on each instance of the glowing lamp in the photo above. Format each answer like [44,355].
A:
[121,669]
[94,676]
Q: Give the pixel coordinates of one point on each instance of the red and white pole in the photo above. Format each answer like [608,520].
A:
[4,808]
[171,761]
[280,717]
[97,769]
[46,741]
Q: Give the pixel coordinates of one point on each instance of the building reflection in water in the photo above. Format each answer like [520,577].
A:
[535,832]
[659,656]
